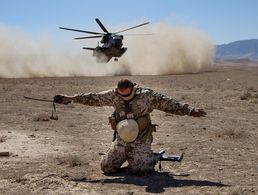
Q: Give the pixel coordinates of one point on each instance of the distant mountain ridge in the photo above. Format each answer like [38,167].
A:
[243,49]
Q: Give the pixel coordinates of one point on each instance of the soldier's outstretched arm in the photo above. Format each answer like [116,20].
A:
[168,104]
[104,98]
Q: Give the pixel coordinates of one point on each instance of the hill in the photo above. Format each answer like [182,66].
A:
[243,49]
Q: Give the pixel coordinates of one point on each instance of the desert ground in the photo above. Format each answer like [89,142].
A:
[43,156]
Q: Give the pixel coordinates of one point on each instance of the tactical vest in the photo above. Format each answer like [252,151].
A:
[123,110]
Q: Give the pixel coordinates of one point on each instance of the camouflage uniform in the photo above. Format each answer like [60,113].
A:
[138,153]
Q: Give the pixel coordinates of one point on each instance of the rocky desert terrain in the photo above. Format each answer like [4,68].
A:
[43,156]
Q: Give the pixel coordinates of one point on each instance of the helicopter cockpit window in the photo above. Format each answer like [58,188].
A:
[117,41]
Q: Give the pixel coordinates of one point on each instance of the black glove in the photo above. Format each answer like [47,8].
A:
[58,99]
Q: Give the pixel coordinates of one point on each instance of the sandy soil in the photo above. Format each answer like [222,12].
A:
[62,157]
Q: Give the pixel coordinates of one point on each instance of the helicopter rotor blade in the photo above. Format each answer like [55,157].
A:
[101,25]
[83,31]
[138,34]
[89,37]
[89,48]
[132,27]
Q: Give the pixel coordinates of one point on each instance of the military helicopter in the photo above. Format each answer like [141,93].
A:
[111,42]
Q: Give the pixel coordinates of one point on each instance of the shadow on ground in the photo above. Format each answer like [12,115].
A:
[155,183]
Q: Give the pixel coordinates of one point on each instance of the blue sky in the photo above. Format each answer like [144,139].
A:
[222,20]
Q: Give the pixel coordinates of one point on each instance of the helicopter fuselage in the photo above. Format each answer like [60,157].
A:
[104,54]
[112,40]
[111,47]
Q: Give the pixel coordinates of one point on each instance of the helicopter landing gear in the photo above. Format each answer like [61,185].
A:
[115,59]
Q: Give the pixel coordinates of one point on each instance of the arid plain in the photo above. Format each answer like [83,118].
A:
[63,156]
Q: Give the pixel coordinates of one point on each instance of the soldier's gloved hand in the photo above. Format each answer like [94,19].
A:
[62,99]
[198,112]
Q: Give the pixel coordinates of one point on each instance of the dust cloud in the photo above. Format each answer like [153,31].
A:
[22,56]
[168,50]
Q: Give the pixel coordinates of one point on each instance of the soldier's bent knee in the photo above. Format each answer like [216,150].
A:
[106,167]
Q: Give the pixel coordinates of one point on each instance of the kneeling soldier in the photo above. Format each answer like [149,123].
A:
[131,120]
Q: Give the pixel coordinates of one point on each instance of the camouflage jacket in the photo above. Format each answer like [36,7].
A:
[139,108]
[144,102]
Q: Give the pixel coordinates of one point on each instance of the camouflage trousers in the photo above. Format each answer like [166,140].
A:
[138,154]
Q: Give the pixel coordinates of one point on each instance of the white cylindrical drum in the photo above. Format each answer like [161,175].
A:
[128,130]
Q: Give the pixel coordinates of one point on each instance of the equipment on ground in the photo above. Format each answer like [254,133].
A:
[168,157]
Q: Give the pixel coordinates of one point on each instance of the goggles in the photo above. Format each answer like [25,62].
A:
[127,96]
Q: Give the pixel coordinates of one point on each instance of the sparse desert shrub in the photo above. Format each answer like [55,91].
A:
[3,138]
[251,89]
[71,160]
[246,96]
[239,191]
[255,95]
[27,91]
[74,161]
[184,97]
[249,94]
[255,102]
[71,125]
[20,179]
[6,88]
[231,133]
